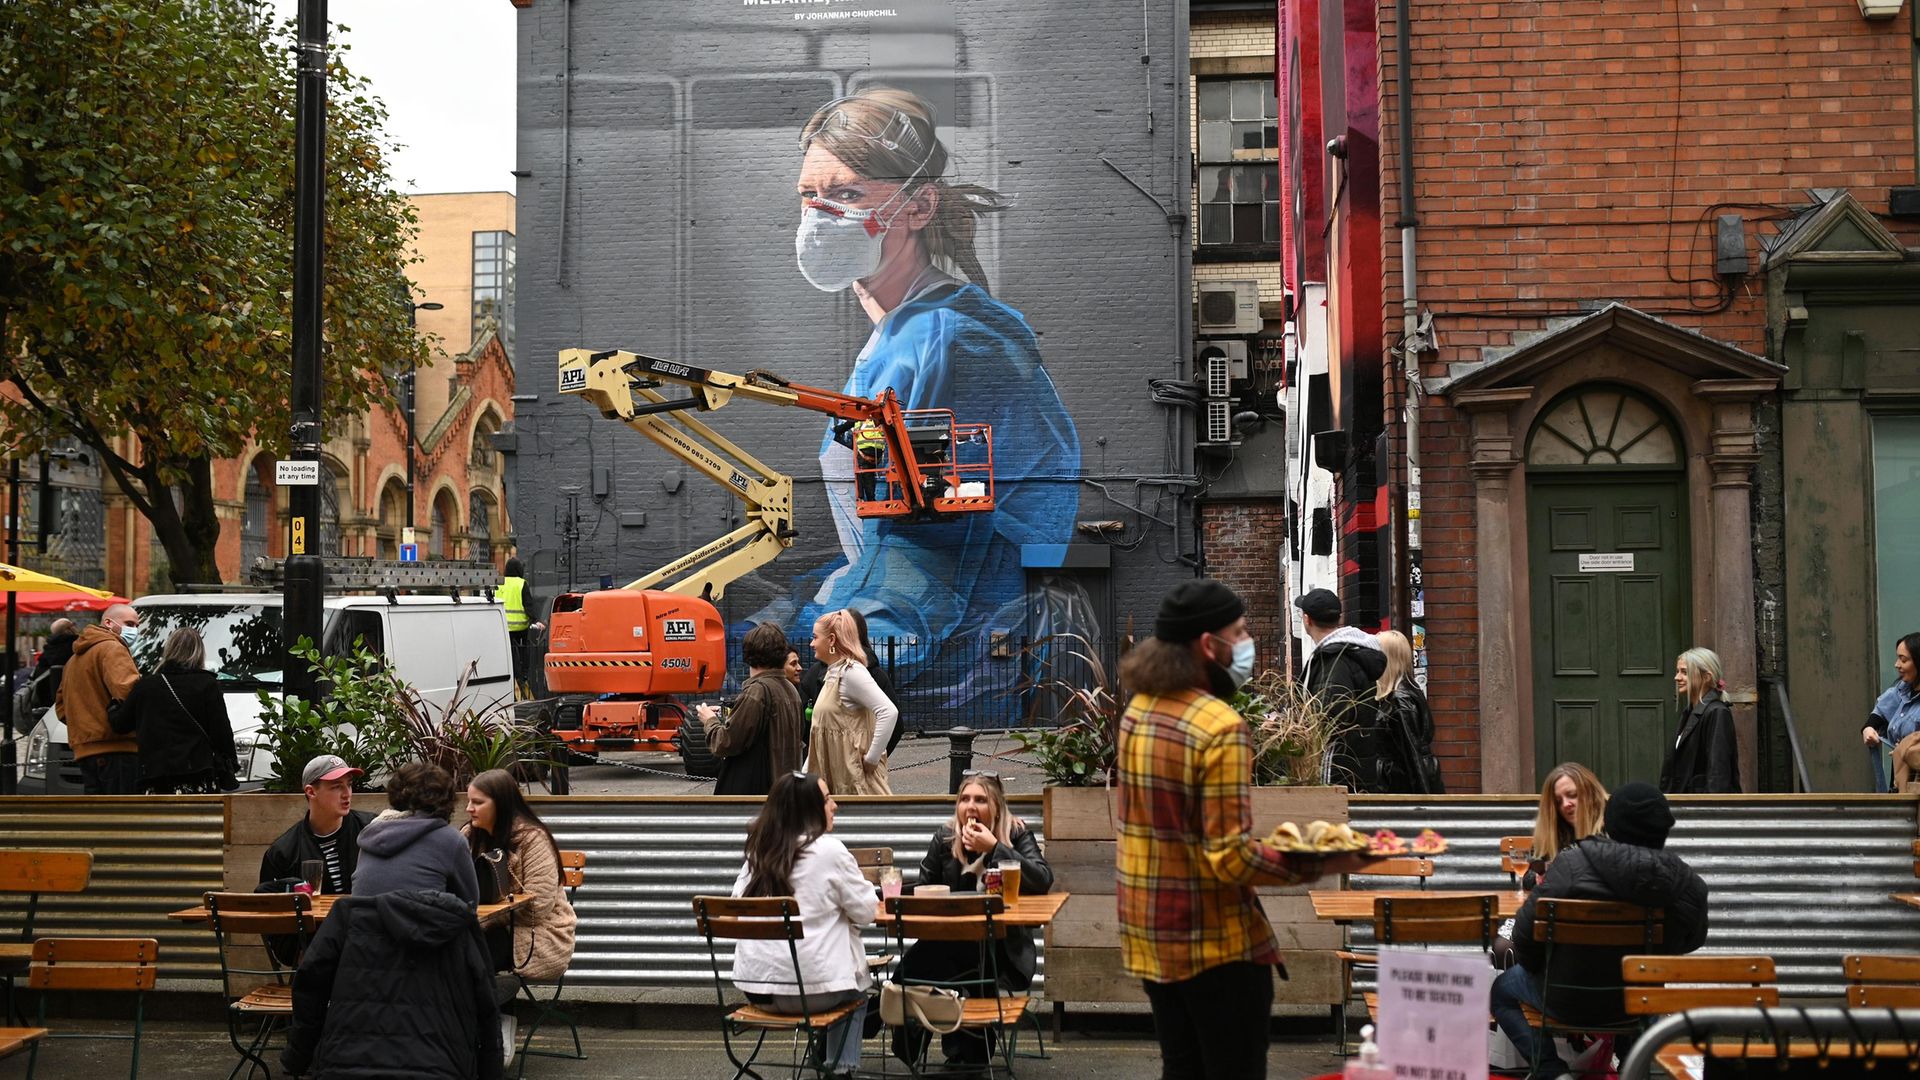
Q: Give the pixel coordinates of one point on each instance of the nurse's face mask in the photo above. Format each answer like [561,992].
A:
[838,244]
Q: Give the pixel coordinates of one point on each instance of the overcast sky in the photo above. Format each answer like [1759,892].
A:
[445,69]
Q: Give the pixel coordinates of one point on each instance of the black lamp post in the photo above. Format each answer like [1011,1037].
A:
[413,312]
[305,576]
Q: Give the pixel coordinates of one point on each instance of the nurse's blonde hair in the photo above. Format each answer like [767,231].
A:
[883,134]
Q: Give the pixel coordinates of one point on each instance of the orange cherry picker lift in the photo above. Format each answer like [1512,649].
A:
[623,659]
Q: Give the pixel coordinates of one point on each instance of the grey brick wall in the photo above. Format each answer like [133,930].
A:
[677,154]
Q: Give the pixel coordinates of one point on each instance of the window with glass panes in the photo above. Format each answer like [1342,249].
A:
[1239,162]
[493,258]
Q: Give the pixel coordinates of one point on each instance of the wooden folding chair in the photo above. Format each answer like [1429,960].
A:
[1560,923]
[94,964]
[1420,869]
[1882,982]
[13,1040]
[1660,985]
[873,861]
[32,872]
[1423,920]
[573,874]
[256,995]
[1516,854]
[768,918]
[984,1006]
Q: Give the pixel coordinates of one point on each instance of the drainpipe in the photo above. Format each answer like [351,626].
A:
[1411,344]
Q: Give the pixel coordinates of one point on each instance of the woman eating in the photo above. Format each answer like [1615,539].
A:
[982,834]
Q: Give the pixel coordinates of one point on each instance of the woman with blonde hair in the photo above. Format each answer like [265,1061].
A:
[879,217]
[852,718]
[1408,766]
[1705,756]
[983,833]
[1573,806]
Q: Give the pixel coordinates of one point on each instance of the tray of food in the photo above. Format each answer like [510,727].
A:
[1338,838]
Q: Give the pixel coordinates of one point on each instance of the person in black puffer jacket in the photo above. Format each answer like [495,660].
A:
[179,717]
[395,986]
[1627,865]
[1341,674]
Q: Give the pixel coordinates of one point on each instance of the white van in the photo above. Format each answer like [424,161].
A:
[428,639]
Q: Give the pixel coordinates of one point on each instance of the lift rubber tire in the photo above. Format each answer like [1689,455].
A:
[566,717]
[692,741]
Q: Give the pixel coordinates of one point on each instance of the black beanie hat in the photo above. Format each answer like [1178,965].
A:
[1196,607]
[1638,814]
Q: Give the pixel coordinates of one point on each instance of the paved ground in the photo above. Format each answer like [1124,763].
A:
[187,1050]
[920,766]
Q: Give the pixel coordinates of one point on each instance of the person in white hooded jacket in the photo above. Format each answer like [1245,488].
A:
[791,852]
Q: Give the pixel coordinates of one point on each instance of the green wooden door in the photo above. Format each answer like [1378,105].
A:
[1610,599]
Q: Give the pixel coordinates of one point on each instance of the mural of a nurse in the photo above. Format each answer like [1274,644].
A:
[879,216]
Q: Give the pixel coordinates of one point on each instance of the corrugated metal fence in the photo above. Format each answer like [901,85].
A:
[1803,878]
[150,856]
[647,858]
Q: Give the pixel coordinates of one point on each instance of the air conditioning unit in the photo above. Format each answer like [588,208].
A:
[1218,364]
[1229,307]
[1205,352]
[1217,424]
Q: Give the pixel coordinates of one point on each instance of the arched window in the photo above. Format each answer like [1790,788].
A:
[445,519]
[480,523]
[393,518]
[257,526]
[482,455]
[1603,427]
[329,509]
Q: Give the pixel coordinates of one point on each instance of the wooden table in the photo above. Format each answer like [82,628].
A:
[1910,899]
[1031,911]
[490,914]
[1356,905]
[1685,1061]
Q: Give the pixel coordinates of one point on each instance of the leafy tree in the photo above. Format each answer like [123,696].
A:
[146,225]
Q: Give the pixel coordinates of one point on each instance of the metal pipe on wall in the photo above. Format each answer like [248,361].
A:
[1410,343]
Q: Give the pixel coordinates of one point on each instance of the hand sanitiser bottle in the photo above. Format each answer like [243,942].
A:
[1367,1065]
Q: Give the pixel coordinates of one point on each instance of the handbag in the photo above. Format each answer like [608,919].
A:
[935,1008]
[495,881]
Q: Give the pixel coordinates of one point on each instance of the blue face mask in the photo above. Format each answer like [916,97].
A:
[1241,669]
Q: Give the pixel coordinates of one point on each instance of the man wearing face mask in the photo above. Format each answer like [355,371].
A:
[1341,675]
[1191,927]
[102,672]
[879,218]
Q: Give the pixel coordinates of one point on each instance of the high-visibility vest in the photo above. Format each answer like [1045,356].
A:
[867,436]
[511,594]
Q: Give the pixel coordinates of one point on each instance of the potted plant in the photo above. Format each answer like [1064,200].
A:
[1291,732]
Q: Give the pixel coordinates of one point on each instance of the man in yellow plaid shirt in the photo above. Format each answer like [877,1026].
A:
[1191,926]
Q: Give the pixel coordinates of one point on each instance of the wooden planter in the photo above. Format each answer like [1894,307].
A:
[1083,943]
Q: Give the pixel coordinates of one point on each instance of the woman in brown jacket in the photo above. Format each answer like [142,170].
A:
[500,821]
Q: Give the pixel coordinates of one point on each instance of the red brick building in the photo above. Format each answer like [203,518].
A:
[463,397]
[1660,291]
